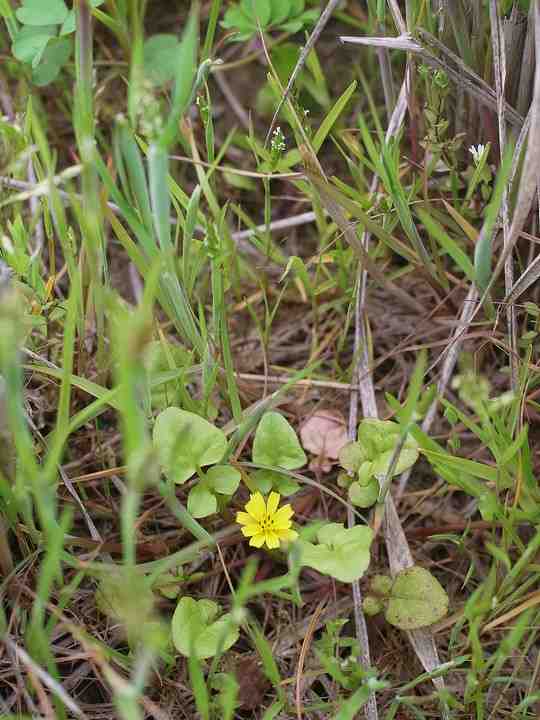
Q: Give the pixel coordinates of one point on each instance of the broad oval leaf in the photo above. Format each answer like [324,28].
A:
[201,501]
[276,444]
[160,58]
[30,42]
[185,441]
[56,55]
[371,455]
[280,11]
[196,632]
[417,599]
[223,479]
[266,480]
[364,496]
[42,12]
[341,553]
[259,10]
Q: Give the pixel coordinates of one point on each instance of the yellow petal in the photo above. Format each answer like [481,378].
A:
[288,535]
[283,515]
[243,518]
[273,502]
[249,530]
[272,540]
[256,507]
[281,527]
[257,540]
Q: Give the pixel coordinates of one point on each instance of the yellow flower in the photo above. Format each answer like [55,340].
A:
[264,523]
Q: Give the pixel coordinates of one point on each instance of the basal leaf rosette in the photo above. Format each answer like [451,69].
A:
[369,458]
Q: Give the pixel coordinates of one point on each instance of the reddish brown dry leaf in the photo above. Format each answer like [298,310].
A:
[324,434]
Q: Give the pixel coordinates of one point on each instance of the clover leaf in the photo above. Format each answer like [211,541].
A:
[220,479]
[370,457]
[341,553]
[185,442]
[195,630]
[276,444]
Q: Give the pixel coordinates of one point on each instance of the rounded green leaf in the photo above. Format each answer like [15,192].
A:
[364,496]
[223,479]
[160,58]
[341,553]
[56,55]
[261,480]
[42,12]
[286,485]
[407,457]
[259,10]
[372,605]
[276,444]
[236,19]
[201,501]
[381,584]
[365,473]
[416,599]
[371,455]
[344,480]
[185,441]
[352,456]
[196,632]
[280,11]
[30,42]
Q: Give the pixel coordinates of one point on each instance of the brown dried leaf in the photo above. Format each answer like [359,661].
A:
[324,434]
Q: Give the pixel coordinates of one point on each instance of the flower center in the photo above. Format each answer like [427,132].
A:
[266,523]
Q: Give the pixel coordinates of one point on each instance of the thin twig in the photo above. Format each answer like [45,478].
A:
[397,547]
[499,67]
[45,678]
[315,34]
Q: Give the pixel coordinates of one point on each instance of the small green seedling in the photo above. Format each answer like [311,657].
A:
[185,443]
[276,445]
[339,654]
[198,631]
[341,553]
[414,599]
[369,459]
[247,16]
[219,480]
[43,40]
